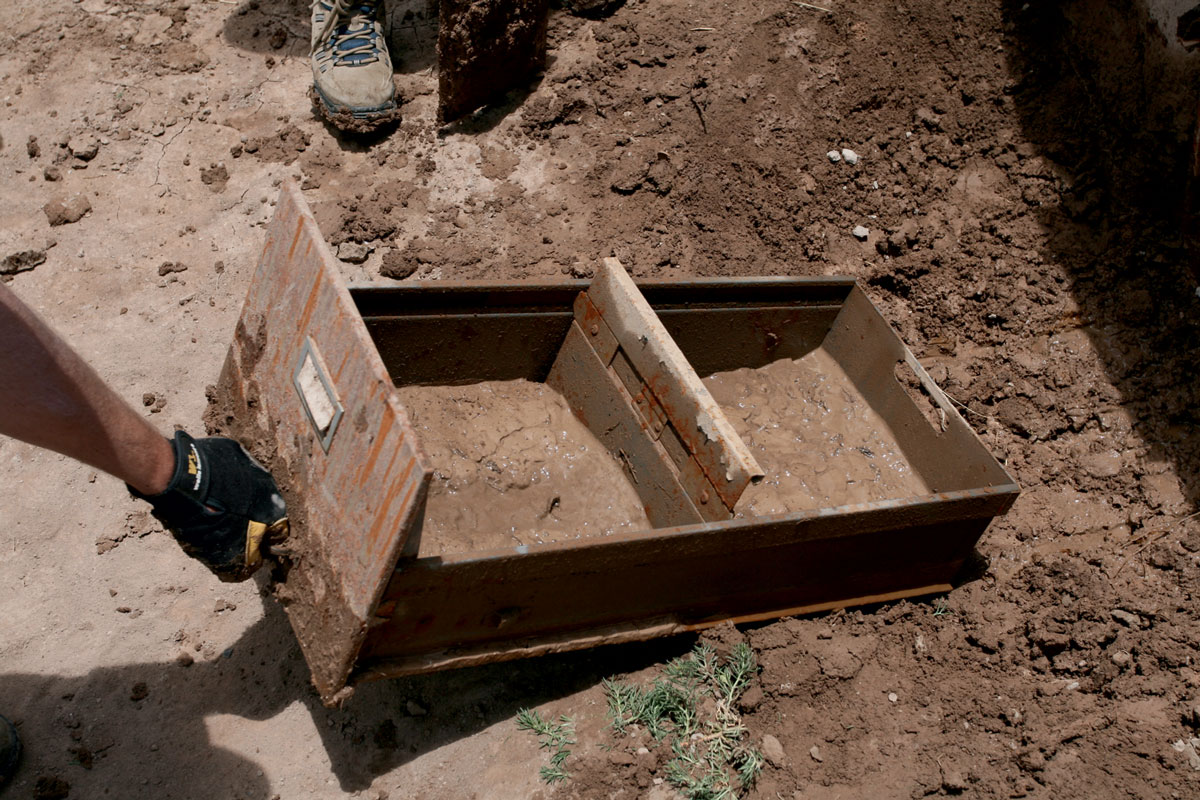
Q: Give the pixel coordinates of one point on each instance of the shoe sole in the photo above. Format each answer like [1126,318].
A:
[355,120]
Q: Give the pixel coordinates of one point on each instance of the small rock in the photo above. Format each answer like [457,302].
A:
[139,691]
[860,233]
[629,175]
[51,787]
[85,147]
[52,173]
[1121,658]
[953,781]
[215,176]
[354,252]
[67,208]
[772,750]
[184,659]
[580,269]
[1125,618]
[107,543]
[223,605]
[751,699]
[398,265]
[893,697]
[834,156]
[1190,749]
[1192,717]
[415,709]
[21,261]
[850,157]
[32,148]
[620,758]
[123,609]
[1102,465]
[1163,491]
[167,267]
[815,752]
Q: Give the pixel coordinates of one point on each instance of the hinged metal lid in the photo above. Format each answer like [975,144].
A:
[305,381]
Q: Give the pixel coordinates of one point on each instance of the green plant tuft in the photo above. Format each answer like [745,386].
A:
[710,757]
[552,736]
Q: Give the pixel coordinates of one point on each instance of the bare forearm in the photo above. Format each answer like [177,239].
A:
[52,399]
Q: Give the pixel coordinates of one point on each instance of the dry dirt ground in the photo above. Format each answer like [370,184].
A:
[1021,174]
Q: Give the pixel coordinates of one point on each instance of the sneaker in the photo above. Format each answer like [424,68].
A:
[10,750]
[352,71]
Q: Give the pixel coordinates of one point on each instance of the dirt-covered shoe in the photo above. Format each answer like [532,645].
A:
[352,71]
[10,751]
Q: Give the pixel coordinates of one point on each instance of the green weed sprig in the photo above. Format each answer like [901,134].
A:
[552,736]
[710,759]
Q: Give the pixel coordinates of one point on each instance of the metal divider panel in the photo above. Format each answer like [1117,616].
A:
[598,398]
[675,404]
[345,453]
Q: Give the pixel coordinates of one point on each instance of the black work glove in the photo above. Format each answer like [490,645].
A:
[220,505]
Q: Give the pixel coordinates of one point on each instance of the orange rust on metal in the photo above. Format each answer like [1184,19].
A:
[588,317]
[295,238]
[657,360]
[353,514]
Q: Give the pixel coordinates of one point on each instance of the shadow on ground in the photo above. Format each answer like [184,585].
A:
[1100,92]
[159,745]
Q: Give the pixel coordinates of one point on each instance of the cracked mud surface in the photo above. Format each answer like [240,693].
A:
[1021,176]
[513,466]
[818,440]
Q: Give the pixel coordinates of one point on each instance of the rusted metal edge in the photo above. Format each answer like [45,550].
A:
[863,341]
[694,415]
[926,508]
[615,634]
[347,459]
[382,298]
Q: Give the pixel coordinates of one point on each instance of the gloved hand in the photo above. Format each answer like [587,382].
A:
[220,505]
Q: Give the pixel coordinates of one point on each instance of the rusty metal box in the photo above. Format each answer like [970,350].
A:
[310,386]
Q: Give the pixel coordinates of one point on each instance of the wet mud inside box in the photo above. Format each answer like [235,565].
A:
[817,438]
[513,466]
